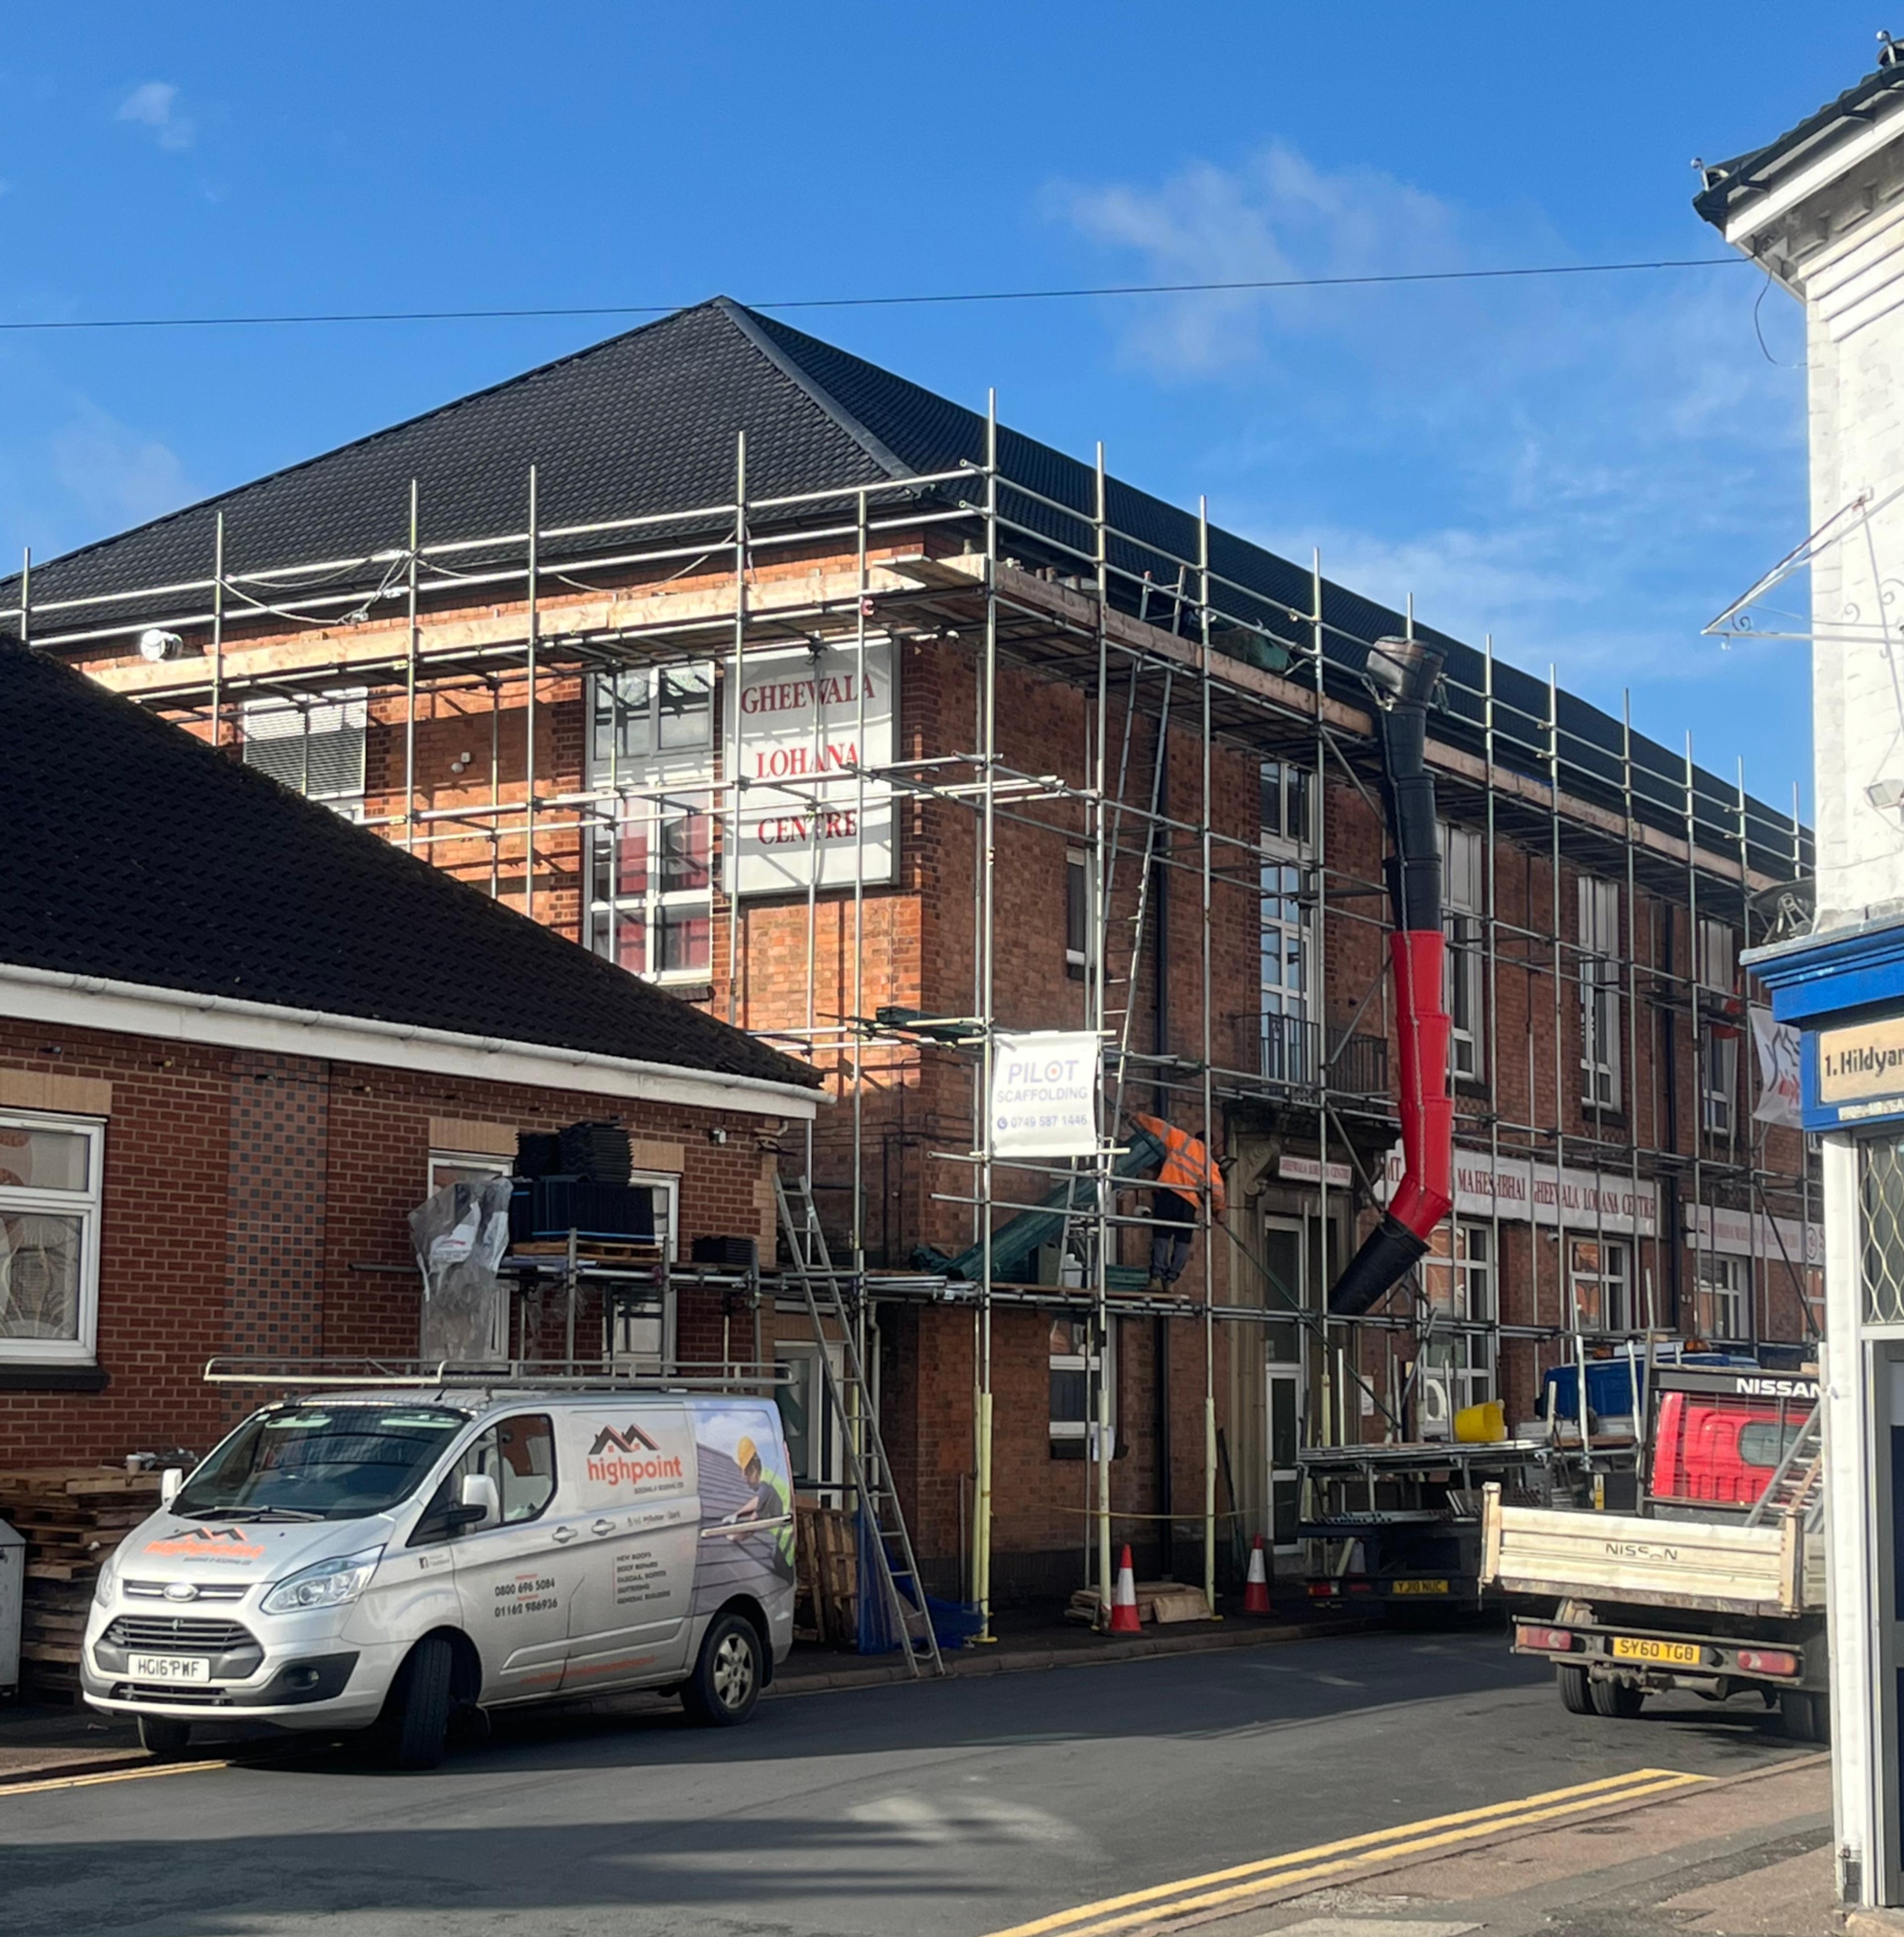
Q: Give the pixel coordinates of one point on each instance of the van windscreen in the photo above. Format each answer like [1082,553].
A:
[325,1461]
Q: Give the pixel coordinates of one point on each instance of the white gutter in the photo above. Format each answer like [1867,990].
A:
[183,1015]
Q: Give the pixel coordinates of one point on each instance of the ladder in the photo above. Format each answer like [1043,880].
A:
[1797,1486]
[882,1521]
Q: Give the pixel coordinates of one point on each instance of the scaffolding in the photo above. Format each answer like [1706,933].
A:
[1175,641]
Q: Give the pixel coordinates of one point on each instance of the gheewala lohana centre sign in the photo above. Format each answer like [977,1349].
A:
[803,721]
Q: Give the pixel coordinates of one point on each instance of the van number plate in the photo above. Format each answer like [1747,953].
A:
[1418,1587]
[168,1668]
[1677,1653]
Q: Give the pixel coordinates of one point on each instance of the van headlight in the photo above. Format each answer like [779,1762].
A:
[107,1581]
[331,1584]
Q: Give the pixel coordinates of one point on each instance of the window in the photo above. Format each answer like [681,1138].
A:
[1719,1298]
[651,860]
[50,1238]
[1718,1078]
[1286,802]
[1715,968]
[1599,993]
[518,1455]
[814,1451]
[448,1167]
[1076,915]
[1766,1442]
[1458,1280]
[1463,897]
[314,746]
[1078,1363]
[1601,1275]
[1286,1051]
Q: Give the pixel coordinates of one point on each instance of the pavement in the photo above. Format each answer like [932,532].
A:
[1437,1773]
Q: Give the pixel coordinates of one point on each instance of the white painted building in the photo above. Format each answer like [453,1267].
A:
[1821,209]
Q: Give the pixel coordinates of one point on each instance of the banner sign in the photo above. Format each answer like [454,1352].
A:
[1524,1193]
[1741,1234]
[1312,1170]
[798,714]
[1780,1100]
[1044,1092]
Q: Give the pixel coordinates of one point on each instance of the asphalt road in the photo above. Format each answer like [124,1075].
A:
[947,1810]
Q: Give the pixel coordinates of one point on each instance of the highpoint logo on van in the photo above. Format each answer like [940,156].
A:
[206,1543]
[631,1443]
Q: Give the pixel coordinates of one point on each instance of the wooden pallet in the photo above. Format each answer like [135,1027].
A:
[827,1556]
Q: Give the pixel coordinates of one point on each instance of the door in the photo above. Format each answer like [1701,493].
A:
[1285,1253]
[517,1579]
[1285,1479]
[634,1478]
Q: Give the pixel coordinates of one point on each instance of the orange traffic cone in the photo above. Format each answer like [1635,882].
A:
[1123,1600]
[1256,1590]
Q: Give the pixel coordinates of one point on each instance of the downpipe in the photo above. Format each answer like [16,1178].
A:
[1403,673]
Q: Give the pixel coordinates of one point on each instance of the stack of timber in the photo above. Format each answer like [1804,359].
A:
[72,1518]
[826,1593]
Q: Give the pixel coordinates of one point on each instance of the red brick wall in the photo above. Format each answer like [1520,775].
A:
[244,1195]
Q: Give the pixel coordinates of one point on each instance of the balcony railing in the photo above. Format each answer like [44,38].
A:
[1299,1054]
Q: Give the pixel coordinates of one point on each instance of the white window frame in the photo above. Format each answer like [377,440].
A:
[1614,1275]
[1101,1362]
[475,1163]
[1599,993]
[1077,875]
[83,1348]
[1285,1042]
[1720,1279]
[265,720]
[1464,980]
[666,1185]
[801,1359]
[1718,1082]
[649,790]
[1717,966]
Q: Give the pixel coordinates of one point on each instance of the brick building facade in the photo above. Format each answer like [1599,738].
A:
[579,745]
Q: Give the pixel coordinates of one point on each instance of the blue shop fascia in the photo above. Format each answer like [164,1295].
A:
[1845,992]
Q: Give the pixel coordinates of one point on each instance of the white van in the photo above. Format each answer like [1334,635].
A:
[389,1557]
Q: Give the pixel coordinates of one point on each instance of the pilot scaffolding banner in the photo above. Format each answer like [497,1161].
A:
[1045,1092]
[794,719]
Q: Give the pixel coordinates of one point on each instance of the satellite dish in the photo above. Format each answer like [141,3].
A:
[155,645]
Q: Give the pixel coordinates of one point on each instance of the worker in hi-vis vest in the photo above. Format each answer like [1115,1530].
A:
[1184,1173]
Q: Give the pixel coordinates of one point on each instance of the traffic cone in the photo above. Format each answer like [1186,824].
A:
[1256,1590]
[1124,1618]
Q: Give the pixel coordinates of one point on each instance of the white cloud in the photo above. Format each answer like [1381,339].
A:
[1586,466]
[154,104]
[116,475]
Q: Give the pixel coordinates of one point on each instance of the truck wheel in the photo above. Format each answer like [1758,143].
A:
[422,1697]
[1618,1701]
[163,1737]
[1575,1696]
[1805,1717]
[726,1683]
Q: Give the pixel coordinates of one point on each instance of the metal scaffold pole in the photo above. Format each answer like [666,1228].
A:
[1209,1086]
[988,861]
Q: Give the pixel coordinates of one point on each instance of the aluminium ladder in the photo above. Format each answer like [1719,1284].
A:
[881,1519]
[1797,1486]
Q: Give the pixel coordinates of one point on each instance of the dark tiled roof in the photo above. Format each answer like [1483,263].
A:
[135,853]
[645,424]
[1728,183]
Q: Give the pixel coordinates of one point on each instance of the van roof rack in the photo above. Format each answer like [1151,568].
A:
[445,1374]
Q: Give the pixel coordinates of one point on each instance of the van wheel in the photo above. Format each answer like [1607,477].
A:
[726,1683]
[163,1737]
[1805,1717]
[1618,1701]
[1574,1697]
[422,1697]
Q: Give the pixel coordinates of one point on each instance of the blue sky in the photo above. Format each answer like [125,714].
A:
[1589,467]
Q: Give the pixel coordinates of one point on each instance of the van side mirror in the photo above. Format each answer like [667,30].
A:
[170,1481]
[478,1503]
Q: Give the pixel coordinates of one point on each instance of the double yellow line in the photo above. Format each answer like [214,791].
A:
[1233,1889]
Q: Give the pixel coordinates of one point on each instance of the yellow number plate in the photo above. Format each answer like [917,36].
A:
[1675,1653]
[1418,1587]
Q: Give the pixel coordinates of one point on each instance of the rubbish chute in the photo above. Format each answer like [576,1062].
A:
[1403,673]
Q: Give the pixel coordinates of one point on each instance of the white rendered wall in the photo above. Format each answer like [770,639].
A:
[1854,304]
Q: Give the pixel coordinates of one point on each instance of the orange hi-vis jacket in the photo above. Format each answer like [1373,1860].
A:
[1187,1167]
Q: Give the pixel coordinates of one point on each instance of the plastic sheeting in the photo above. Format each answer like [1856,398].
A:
[460,1235]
